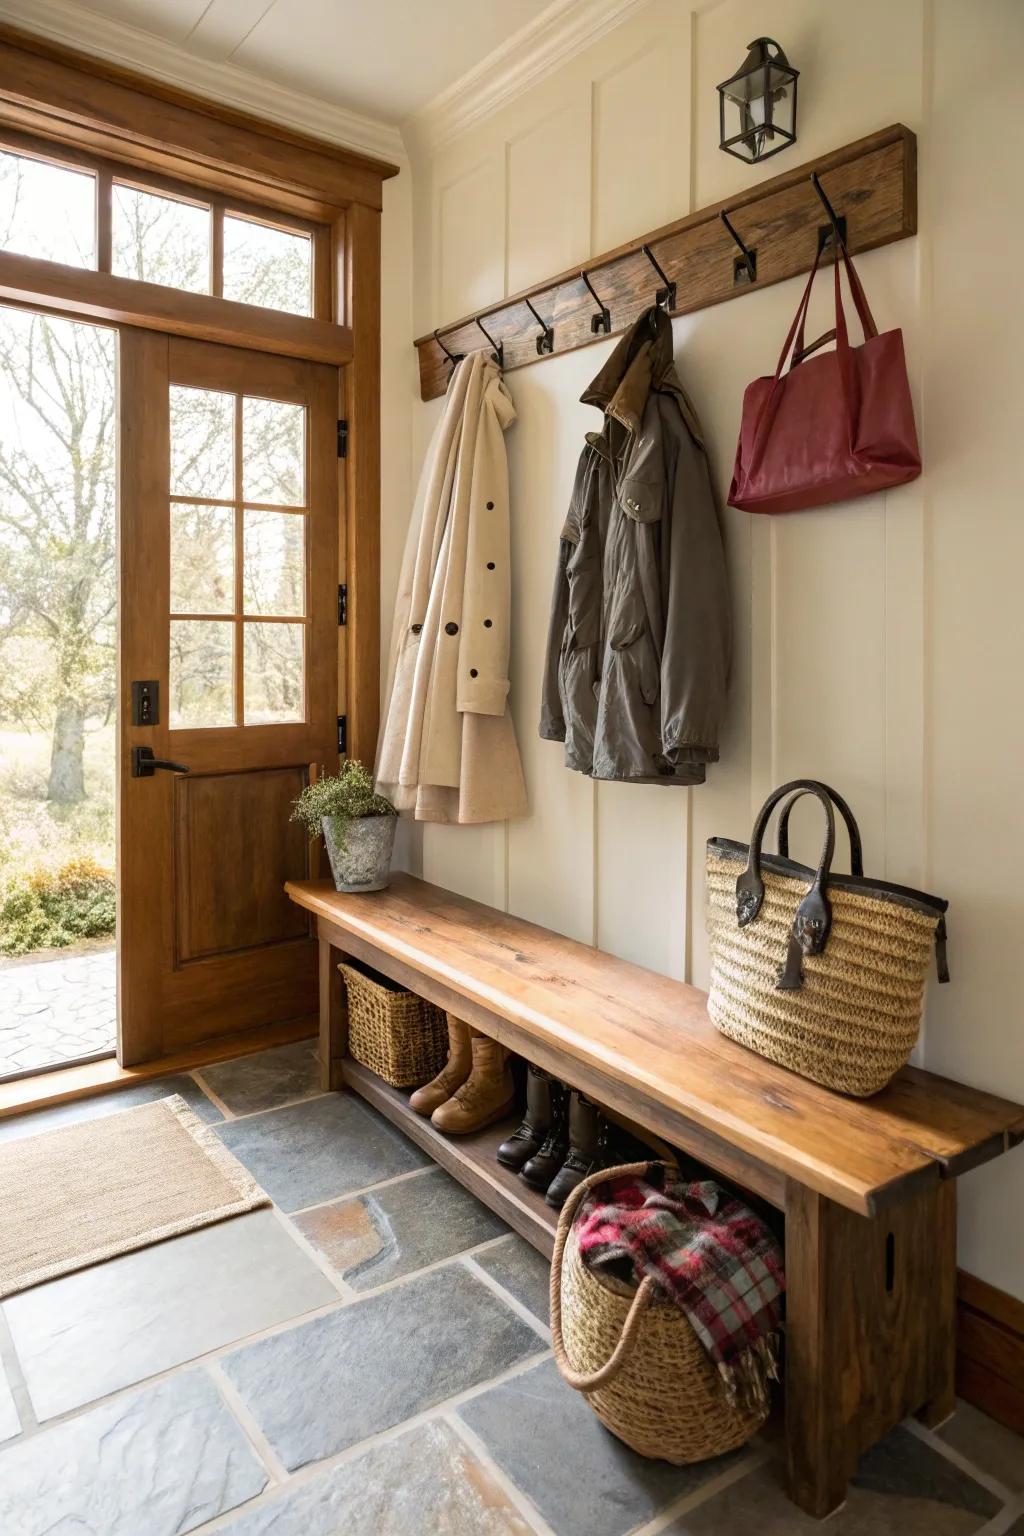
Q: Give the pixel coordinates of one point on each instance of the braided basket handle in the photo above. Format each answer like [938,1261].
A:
[582,1381]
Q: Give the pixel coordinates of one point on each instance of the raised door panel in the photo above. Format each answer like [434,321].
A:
[234,899]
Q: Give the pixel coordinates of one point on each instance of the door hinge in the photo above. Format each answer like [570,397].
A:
[342,439]
[342,602]
[343,734]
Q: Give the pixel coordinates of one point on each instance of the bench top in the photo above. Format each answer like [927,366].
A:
[653,1035]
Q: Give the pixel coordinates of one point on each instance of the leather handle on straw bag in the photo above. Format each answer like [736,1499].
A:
[813,921]
[856,849]
[583,1381]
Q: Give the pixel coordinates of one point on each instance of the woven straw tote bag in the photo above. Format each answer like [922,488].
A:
[637,1360]
[822,973]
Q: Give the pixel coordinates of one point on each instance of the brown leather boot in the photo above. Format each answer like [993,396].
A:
[487,1095]
[452,1075]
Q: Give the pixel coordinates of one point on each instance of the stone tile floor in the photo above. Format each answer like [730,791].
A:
[57,1010]
[371,1358]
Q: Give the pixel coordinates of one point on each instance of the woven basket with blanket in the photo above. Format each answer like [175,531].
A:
[666,1301]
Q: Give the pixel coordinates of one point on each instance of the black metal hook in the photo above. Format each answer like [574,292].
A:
[836,226]
[744,268]
[498,352]
[665,298]
[546,340]
[602,321]
[453,357]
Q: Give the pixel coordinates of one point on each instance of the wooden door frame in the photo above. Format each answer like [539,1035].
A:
[75,102]
[81,103]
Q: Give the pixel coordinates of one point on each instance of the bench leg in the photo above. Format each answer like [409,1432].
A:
[870,1319]
[333,1016]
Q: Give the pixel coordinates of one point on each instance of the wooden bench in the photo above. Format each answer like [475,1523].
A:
[867,1187]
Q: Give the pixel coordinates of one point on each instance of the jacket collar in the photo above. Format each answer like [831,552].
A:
[643,361]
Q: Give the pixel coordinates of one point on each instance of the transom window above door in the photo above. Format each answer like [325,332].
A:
[238,526]
[94,215]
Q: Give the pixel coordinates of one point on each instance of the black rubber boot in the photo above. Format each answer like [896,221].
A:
[587,1144]
[541,1168]
[528,1137]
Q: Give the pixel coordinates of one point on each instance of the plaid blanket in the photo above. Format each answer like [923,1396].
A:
[709,1254]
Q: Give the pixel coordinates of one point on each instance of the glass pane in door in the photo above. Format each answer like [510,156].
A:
[202,443]
[274,681]
[202,558]
[274,563]
[273,452]
[238,582]
[202,674]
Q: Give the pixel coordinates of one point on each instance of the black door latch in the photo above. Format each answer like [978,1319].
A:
[144,764]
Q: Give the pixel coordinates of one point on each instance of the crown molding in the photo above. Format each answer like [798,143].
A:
[554,37]
[70,24]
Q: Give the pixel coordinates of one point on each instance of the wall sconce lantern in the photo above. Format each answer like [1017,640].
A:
[758,105]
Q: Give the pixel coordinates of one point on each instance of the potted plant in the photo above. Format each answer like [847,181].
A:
[358,826]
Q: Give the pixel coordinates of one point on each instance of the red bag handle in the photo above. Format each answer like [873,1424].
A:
[860,302]
[799,351]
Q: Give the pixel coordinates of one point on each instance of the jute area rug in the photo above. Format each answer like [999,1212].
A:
[81,1193]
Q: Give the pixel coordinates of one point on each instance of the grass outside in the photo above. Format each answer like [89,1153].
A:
[57,863]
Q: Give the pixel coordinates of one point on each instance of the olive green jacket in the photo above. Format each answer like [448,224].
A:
[639,643]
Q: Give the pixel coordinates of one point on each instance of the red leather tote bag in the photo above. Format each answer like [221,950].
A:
[830,427]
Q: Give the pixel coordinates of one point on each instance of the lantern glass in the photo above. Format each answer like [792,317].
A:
[758,105]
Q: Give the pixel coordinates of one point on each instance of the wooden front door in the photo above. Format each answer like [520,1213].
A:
[229,568]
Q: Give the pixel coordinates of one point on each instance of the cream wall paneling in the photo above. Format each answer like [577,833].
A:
[638,109]
[918,719]
[551,853]
[548,223]
[470,239]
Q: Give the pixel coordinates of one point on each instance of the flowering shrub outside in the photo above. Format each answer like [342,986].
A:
[50,908]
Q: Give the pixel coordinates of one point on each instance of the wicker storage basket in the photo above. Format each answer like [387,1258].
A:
[819,972]
[400,1036]
[639,1363]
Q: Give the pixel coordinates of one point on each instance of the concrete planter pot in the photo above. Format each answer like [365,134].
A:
[360,851]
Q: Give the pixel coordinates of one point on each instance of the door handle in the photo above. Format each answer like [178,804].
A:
[144,764]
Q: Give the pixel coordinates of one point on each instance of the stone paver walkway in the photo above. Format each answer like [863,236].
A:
[57,1010]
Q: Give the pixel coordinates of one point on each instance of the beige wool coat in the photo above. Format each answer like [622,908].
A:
[447,749]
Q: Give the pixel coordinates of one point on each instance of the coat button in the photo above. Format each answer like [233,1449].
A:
[473,672]
[490,565]
[487,623]
[416,628]
[451,629]
[490,506]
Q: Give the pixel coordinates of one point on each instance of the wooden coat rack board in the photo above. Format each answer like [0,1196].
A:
[871,184]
